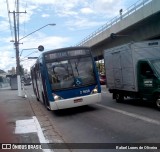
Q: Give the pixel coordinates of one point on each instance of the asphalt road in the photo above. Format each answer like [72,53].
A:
[132,121]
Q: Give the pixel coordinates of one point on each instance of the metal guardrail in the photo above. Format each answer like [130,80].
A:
[133,8]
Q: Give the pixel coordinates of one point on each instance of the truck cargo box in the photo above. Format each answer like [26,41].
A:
[121,63]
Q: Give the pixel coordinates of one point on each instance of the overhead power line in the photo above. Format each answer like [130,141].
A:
[18,19]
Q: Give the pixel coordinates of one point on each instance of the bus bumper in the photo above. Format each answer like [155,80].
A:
[75,102]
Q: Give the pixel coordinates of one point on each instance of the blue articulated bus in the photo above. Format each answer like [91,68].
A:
[66,78]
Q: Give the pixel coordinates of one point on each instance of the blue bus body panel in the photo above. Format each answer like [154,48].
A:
[76,92]
[47,83]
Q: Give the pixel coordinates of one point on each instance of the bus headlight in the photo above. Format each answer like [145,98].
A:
[95,90]
[56,97]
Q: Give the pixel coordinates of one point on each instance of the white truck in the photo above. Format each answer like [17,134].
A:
[133,70]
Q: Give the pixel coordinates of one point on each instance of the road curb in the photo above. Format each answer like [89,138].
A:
[48,127]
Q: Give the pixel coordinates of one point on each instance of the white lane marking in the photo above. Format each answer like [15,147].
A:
[30,126]
[25,126]
[132,115]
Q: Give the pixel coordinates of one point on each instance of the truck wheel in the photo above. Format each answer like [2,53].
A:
[158,103]
[119,97]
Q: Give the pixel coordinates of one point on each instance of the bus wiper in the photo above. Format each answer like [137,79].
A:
[76,67]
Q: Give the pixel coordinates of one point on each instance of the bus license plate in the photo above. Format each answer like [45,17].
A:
[78,100]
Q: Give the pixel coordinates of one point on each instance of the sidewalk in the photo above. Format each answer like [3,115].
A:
[28,119]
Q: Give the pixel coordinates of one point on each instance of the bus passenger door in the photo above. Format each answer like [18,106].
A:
[36,88]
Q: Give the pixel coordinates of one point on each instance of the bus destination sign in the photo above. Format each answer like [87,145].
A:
[56,55]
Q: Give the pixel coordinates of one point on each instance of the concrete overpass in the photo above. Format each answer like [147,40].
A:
[139,22]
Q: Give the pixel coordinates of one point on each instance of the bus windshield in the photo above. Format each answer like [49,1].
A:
[70,73]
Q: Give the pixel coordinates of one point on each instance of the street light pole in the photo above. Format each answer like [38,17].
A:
[27,49]
[36,31]
[17,52]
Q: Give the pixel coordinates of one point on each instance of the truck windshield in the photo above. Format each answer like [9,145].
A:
[156,64]
[70,73]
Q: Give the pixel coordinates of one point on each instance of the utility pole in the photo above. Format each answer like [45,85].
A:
[16,43]
[16,34]
[17,40]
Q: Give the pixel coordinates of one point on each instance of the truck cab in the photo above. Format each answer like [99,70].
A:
[148,77]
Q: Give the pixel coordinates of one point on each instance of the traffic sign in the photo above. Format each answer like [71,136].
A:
[41,48]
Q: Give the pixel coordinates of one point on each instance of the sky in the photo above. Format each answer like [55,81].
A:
[74,19]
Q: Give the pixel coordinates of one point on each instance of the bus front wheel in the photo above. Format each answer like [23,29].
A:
[45,102]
